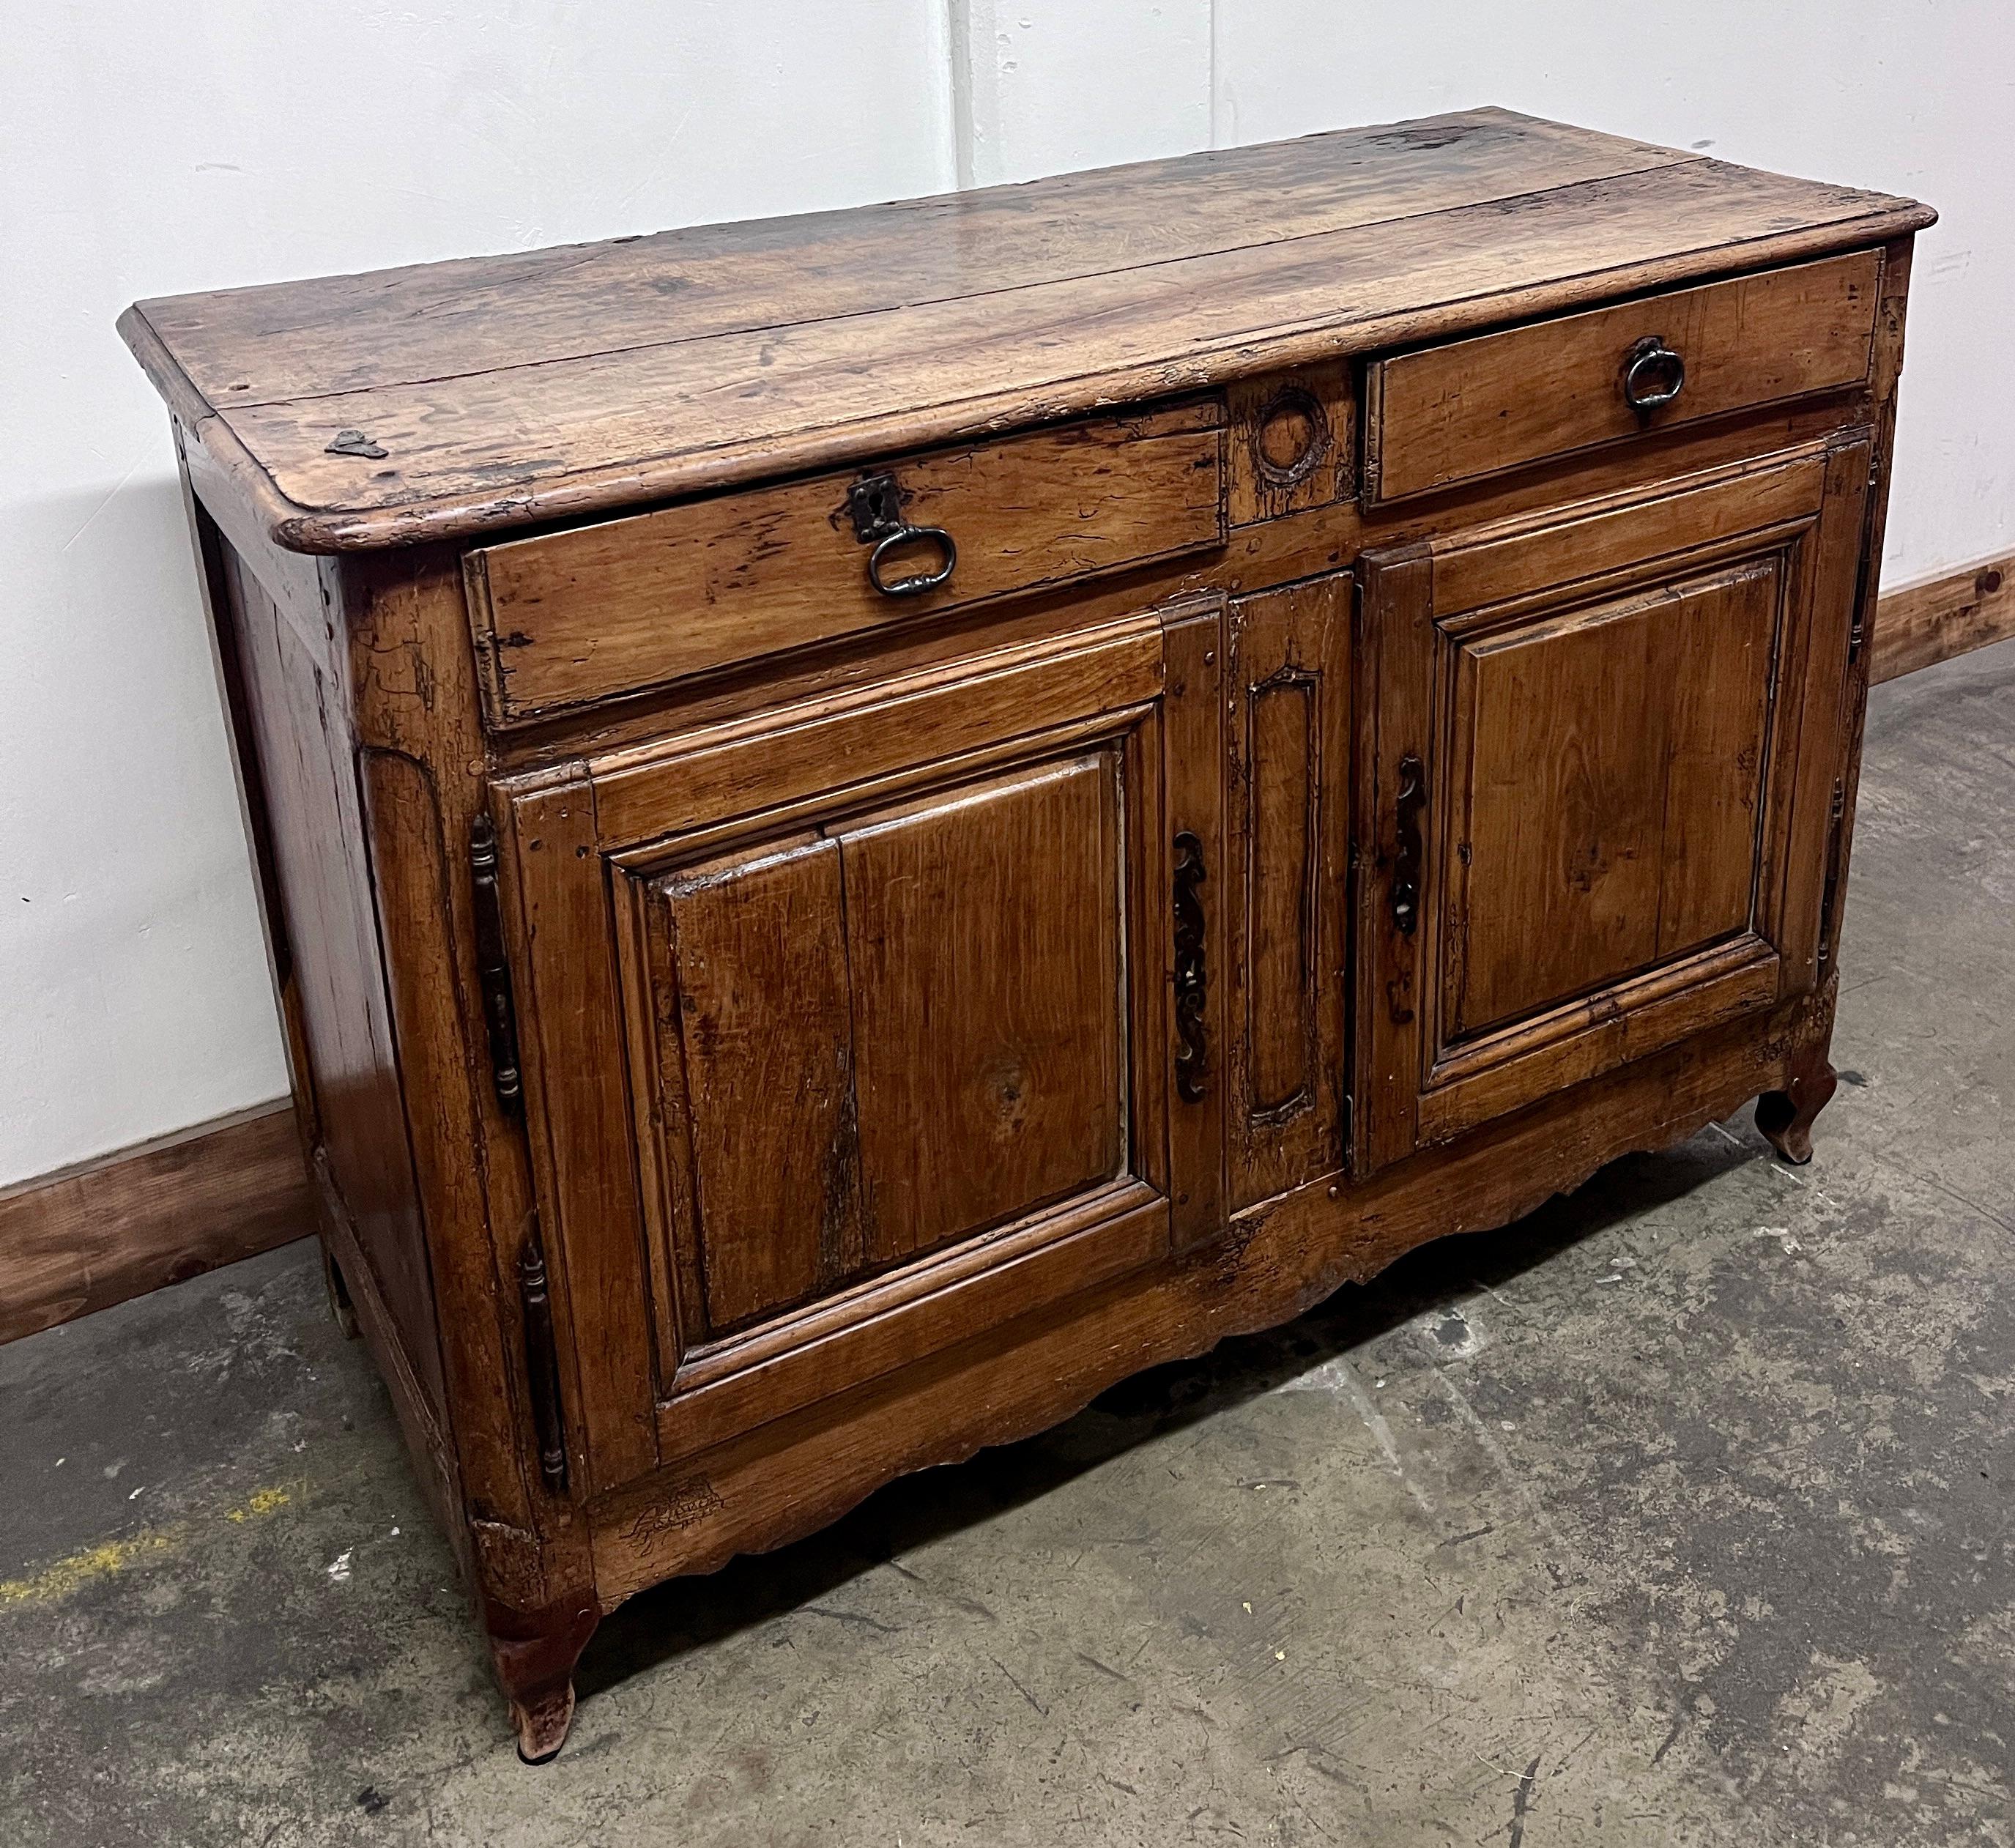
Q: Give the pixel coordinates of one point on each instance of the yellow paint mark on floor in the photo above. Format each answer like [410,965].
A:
[265,1502]
[57,1581]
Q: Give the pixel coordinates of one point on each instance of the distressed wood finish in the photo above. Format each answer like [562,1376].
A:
[1620,779]
[614,608]
[758,1034]
[701,358]
[1286,858]
[1499,401]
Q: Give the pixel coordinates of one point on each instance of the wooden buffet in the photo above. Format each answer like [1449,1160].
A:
[871,821]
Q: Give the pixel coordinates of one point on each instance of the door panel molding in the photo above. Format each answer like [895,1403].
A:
[719,937]
[1644,613]
[1288,763]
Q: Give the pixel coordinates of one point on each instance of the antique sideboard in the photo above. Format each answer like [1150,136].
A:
[870,821]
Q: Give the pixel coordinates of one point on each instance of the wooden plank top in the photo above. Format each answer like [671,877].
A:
[506,391]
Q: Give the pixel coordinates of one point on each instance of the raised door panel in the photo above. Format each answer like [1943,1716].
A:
[1288,847]
[892,1034]
[1594,783]
[855,1030]
[1606,770]
[751,977]
[988,965]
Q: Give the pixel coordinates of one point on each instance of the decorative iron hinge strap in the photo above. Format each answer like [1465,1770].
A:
[492,969]
[542,1360]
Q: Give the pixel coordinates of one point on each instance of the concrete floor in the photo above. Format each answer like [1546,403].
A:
[1679,1512]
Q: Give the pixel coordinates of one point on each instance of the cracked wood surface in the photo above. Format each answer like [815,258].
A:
[509,390]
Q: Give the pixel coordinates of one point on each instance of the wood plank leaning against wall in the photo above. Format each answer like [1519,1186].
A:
[96,1234]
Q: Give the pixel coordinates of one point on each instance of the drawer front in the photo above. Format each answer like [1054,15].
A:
[570,617]
[1478,406]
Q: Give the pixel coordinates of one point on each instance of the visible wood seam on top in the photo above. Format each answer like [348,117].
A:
[975,294]
[329,527]
[462,468]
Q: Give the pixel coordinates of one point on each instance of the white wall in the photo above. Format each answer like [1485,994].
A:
[145,150]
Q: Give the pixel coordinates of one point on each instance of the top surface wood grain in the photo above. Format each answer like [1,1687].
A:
[509,390]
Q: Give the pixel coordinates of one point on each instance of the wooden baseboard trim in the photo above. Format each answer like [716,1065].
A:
[1922,624]
[93,1235]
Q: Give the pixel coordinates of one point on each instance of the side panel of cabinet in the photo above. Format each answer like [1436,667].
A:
[1286,877]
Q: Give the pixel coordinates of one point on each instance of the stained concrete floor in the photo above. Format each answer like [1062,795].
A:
[1679,1512]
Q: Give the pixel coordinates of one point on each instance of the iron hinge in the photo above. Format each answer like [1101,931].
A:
[492,969]
[542,1359]
[1830,895]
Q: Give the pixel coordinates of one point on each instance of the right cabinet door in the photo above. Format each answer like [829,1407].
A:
[1598,786]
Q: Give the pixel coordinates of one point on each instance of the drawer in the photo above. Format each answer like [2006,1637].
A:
[1478,406]
[569,617]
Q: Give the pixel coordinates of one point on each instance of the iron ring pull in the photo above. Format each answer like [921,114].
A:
[1650,359]
[917,584]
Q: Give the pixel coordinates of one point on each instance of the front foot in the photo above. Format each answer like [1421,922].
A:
[541,1722]
[534,1656]
[1786,1118]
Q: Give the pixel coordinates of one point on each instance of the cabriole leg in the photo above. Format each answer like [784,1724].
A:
[1785,1116]
[534,1656]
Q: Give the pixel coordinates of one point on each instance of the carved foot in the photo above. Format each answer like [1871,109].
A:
[1785,1116]
[534,1656]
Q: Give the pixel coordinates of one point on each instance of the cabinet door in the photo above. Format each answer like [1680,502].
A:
[855,1026]
[1598,784]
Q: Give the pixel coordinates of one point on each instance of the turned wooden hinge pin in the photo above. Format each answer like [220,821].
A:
[542,1361]
[492,969]
[1829,895]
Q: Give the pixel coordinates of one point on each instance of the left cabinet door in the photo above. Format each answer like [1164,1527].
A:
[852,1031]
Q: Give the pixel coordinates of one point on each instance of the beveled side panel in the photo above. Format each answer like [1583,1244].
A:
[296,709]
[1287,879]
[1718,727]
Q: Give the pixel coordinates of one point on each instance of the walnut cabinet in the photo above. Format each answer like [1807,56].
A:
[870,822]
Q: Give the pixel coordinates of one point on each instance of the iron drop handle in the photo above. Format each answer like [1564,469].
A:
[1653,373]
[1193,1052]
[875,506]
[1412,798]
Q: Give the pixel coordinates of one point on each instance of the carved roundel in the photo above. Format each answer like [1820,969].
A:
[1291,436]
